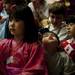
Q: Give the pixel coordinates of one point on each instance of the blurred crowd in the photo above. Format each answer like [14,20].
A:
[37,37]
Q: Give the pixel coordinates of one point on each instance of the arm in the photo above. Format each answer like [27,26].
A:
[69,65]
[3,57]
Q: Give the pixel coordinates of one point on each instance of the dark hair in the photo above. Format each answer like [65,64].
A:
[31,29]
[57,8]
[17,2]
[70,19]
[46,30]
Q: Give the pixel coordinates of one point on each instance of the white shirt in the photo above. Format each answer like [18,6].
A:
[3,23]
[61,32]
[42,11]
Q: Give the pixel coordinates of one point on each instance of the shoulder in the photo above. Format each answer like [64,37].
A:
[31,6]
[64,42]
[63,54]
[35,45]
[4,41]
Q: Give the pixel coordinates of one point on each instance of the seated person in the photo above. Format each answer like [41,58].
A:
[57,15]
[22,54]
[58,61]
[69,45]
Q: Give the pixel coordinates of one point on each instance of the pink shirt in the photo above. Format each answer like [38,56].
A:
[27,59]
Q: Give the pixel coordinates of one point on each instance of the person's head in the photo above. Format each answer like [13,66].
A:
[11,5]
[51,41]
[1,5]
[57,13]
[70,21]
[38,3]
[22,23]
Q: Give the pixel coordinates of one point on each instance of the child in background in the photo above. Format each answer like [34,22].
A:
[58,61]
[57,15]
[69,45]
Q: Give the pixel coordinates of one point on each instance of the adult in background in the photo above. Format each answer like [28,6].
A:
[3,20]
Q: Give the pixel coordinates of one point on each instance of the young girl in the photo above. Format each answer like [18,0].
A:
[21,53]
[57,60]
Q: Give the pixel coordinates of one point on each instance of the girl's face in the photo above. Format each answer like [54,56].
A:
[16,27]
[71,29]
